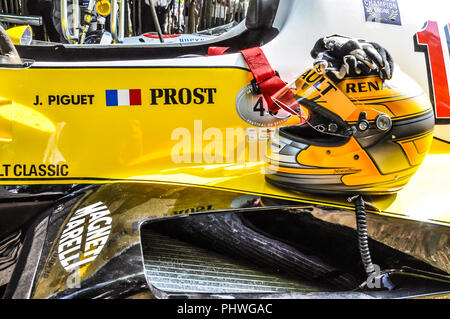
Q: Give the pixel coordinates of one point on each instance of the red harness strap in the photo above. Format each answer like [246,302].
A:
[266,81]
[217,50]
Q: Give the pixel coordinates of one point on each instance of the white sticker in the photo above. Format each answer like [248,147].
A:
[84,236]
[253,109]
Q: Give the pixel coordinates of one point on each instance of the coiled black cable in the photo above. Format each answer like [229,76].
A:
[363,237]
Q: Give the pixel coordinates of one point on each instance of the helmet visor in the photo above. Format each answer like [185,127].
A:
[318,102]
[288,101]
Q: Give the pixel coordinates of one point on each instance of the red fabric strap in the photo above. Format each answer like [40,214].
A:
[165,36]
[217,50]
[266,80]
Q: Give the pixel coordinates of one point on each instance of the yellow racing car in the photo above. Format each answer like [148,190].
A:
[285,157]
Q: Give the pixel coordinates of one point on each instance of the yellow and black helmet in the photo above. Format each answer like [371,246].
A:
[359,136]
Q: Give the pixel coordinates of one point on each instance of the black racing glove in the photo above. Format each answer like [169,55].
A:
[339,56]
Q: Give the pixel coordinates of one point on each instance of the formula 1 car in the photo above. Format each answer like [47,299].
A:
[139,171]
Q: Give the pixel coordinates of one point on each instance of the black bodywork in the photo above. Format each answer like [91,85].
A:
[308,250]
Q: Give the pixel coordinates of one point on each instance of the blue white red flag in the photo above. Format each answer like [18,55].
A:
[123,97]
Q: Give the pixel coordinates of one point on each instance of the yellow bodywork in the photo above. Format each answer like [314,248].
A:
[204,142]
[20,34]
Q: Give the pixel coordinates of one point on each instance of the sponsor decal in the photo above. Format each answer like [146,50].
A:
[367,86]
[188,40]
[253,109]
[192,210]
[346,171]
[382,11]
[184,96]
[84,236]
[123,97]
[64,99]
[34,170]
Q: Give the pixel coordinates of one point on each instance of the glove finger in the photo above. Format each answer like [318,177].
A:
[386,73]
[387,66]
[364,69]
[337,74]
[351,64]
[334,76]
[320,66]
[322,62]
[361,55]
[356,67]
[318,48]
[331,59]
[342,45]
[374,54]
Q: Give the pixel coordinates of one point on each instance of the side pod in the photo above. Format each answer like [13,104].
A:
[165,241]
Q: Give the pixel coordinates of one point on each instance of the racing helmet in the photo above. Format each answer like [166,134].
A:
[360,135]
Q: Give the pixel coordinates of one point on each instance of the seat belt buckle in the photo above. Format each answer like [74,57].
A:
[255,85]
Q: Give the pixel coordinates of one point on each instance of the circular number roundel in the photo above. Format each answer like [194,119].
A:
[252,108]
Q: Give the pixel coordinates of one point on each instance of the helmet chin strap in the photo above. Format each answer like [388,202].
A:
[375,279]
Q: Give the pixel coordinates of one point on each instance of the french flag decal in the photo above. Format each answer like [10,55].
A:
[123,97]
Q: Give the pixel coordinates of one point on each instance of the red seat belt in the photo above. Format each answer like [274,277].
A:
[266,81]
[217,50]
